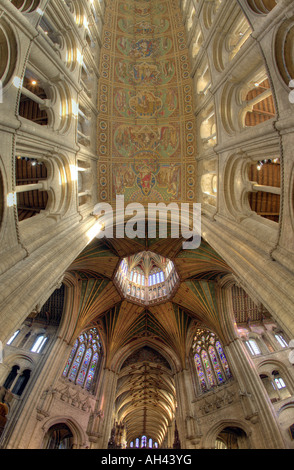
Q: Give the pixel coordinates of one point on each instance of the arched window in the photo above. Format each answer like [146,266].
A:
[13,337]
[281,340]
[253,348]
[83,360]
[39,343]
[210,361]
[21,382]
[11,376]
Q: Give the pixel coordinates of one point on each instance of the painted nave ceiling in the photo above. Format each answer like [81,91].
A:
[146,126]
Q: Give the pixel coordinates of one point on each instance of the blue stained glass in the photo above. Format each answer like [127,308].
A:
[84,368]
[223,359]
[71,356]
[77,361]
[200,371]
[215,363]
[207,368]
[91,371]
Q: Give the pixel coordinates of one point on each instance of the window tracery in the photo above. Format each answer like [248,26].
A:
[143,442]
[83,360]
[210,361]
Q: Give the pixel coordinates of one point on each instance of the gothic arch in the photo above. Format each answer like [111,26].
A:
[79,435]
[215,430]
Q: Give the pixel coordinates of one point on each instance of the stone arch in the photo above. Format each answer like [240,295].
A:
[79,436]
[216,429]
[9,52]
[262,7]
[284,50]
[268,366]
[26,6]
[124,353]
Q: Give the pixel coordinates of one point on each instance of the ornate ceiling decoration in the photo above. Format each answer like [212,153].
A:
[146,278]
[146,138]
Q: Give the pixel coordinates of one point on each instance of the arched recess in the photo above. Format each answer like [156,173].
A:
[262,7]
[275,370]
[8,50]
[284,50]
[78,437]
[242,434]
[26,6]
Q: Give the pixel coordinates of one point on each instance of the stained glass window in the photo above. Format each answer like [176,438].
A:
[83,370]
[223,359]
[73,351]
[215,364]
[210,361]
[91,371]
[207,368]
[83,359]
[76,364]
[200,371]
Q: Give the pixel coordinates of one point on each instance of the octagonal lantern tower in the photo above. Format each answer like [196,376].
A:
[146,278]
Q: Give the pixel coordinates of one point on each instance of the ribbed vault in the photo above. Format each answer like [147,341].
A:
[146,397]
[146,346]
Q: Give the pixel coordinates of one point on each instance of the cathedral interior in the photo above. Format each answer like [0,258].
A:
[119,340]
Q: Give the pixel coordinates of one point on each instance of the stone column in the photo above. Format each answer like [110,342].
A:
[255,402]
[102,420]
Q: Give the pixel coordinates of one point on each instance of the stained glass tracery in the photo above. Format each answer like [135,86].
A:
[83,359]
[210,361]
